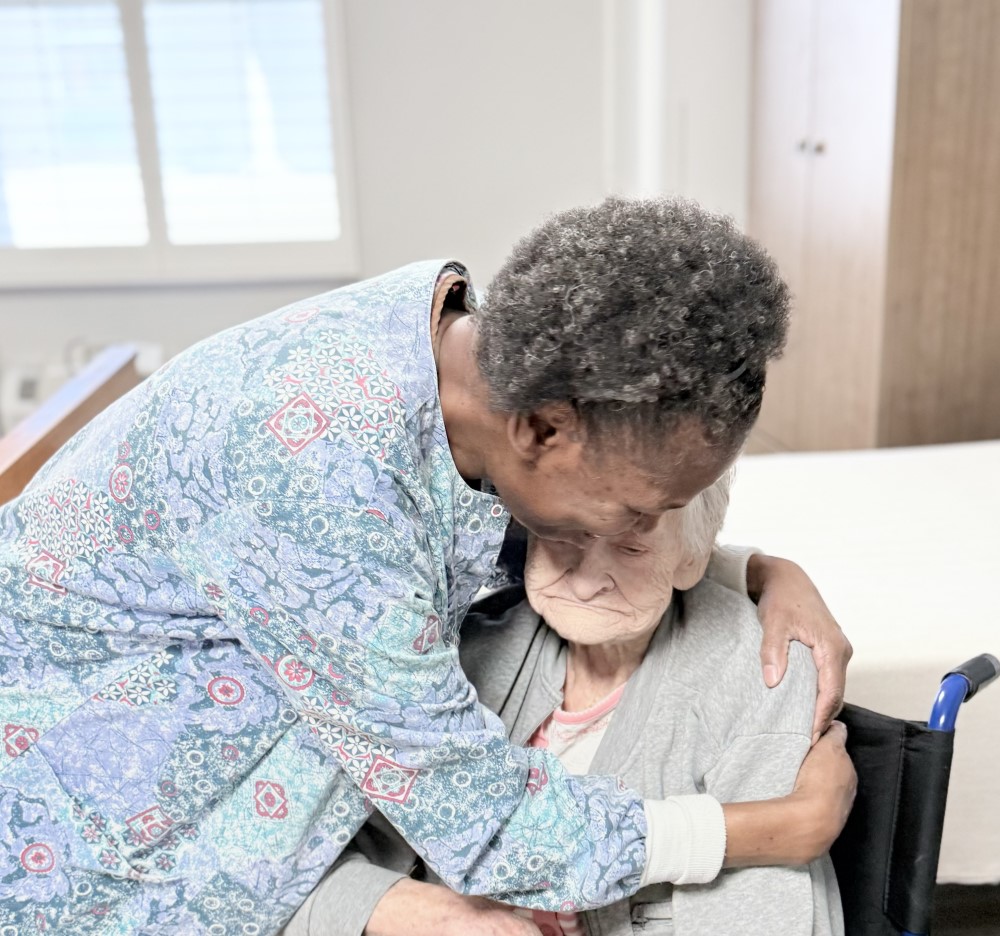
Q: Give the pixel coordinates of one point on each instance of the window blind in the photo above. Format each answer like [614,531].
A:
[241,103]
[69,174]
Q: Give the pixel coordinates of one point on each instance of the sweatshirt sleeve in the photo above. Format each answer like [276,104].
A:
[759,760]
[339,604]
[728,566]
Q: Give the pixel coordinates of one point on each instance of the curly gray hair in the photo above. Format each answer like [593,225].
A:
[639,313]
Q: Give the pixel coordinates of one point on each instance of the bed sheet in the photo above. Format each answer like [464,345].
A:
[904,545]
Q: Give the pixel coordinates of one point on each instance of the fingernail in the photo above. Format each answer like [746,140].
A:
[771,674]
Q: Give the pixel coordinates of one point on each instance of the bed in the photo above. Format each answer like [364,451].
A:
[905,546]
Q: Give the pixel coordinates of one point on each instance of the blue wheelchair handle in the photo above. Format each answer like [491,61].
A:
[960,684]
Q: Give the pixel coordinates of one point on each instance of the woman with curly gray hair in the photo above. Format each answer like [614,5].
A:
[230,606]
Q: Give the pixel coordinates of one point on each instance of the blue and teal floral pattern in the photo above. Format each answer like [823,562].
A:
[229,617]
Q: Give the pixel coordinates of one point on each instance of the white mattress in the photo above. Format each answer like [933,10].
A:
[904,545]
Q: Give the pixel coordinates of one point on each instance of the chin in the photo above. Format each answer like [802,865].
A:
[583,625]
[591,636]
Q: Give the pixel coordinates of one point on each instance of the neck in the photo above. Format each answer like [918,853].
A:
[472,428]
[594,671]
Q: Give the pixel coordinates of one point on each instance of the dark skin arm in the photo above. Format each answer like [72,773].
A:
[797,828]
[790,608]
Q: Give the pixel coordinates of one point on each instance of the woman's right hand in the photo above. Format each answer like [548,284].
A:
[797,828]
[825,789]
[415,908]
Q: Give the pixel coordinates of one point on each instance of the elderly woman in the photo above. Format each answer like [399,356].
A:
[229,607]
[619,661]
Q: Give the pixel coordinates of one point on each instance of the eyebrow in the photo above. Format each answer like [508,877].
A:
[657,509]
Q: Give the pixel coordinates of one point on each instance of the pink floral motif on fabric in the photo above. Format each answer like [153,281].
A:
[270,799]
[18,738]
[150,825]
[294,673]
[120,482]
[44,572]
[226,690]
[38,858]
[387,780]
[429,634]
[538,777]
[297,423]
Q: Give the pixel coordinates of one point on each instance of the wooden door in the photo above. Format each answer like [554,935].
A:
[941,360]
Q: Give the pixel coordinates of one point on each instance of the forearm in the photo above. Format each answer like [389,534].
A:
[413,907]
[342,903]
[783,831]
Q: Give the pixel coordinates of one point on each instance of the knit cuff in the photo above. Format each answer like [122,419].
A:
[685,841]
[728,566]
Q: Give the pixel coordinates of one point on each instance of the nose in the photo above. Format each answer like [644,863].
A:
[590,578]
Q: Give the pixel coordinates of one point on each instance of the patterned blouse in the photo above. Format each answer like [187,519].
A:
[229,617]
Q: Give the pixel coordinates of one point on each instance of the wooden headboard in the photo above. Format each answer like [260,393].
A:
[32,442]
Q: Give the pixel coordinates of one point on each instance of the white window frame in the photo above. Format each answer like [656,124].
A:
[161,262]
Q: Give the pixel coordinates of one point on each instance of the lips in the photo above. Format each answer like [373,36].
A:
[585,605]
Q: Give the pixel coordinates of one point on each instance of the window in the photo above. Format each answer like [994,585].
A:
[172,140]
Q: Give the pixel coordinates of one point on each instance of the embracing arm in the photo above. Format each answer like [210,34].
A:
[790,829]
[790,608]
[359,897]
[796,828]
[339,604]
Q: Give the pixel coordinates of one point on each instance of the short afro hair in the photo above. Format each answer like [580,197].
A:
[640,313]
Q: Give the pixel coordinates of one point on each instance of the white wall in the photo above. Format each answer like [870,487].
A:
[471,119]
[709,49]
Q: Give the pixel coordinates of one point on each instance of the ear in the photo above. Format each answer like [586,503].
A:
[690,572]
[547,429]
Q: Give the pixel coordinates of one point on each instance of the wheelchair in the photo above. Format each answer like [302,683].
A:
[886,858]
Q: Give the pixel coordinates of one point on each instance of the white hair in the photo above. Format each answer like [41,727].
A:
[702,517]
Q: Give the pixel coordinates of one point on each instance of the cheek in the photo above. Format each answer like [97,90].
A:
[541,569]
[648,587]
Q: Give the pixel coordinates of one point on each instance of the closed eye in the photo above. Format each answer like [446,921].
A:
[631,550]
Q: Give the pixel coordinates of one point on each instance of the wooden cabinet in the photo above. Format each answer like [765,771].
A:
[875,183]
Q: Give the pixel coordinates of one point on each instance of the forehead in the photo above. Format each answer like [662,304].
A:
[660,532]
[658,490]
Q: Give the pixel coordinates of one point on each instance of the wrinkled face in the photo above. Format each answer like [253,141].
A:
[571,493]
[610,589]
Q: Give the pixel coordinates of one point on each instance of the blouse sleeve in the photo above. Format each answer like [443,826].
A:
[338,603]
[728,566]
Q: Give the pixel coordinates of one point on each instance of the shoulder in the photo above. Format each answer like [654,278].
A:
[718,644]
[717,623]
